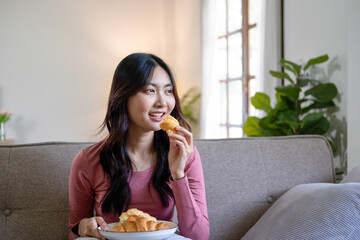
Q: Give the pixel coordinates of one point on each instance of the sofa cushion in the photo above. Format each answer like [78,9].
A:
[244,176]
[312,211]
[36,196]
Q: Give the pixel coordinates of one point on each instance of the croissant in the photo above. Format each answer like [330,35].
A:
[134,220]
[169,124]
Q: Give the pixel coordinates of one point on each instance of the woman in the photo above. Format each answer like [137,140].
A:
[138,165]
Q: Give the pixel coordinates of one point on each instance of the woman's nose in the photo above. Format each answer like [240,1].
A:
[161,102]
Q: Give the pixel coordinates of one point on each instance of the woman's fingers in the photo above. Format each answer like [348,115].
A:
[96,233]
[179,144]
[88,227]
[177,137]
[187,140]
[100,222]
[187,134]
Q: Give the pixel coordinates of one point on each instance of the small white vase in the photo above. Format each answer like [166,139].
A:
[2,132]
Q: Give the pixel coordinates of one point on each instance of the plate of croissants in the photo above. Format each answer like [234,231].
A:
[135,224]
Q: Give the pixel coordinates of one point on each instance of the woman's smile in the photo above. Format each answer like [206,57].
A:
[157,116]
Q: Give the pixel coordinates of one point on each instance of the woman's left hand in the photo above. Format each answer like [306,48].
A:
[181,147]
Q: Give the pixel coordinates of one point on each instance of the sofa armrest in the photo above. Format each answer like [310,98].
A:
[352,176]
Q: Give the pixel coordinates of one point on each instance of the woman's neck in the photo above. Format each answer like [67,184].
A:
[140,148]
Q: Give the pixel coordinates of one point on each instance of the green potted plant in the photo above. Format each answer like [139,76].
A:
[300,106]
[187,104]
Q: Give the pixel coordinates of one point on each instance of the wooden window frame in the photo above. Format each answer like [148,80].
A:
[246,77]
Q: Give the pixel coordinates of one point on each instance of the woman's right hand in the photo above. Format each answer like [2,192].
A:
[88,227]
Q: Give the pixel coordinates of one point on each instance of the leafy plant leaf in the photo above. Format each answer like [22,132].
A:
[274,132]
[268,121]
[285,128]
[281,75]
[323,92]
[320,127]
[290,91]
[315,123]
[289,118]
[271,126]
[187,102]
[288,67]
[252,127]
[316,60]
[294,126]
[261,101]
[313,117]
[318,105]
[295,68]
[287,115]
[283,102]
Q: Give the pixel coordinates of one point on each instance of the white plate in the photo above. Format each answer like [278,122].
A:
[153,235]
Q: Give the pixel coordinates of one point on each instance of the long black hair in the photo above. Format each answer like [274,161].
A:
[132,73]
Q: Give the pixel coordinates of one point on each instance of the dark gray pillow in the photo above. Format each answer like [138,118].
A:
[312,211]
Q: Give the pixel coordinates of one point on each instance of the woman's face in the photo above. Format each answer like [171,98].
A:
[148,107]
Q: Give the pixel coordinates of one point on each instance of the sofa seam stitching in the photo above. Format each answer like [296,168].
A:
[265,170]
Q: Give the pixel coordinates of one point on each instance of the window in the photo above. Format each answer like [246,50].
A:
[237,51]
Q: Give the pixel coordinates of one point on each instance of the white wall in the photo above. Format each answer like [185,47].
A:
[57,59]
[183,31]
[313,28]
[353,83]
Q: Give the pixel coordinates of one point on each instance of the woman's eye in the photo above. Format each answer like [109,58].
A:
[169,91]
[150,90]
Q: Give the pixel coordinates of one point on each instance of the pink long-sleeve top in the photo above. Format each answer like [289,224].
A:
[88,185]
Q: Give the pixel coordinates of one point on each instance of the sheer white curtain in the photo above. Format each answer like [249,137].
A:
[269,51]
[270,47]
[210,101]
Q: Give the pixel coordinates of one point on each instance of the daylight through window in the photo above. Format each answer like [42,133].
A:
[237,63]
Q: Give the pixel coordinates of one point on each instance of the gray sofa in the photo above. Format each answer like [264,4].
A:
[243,178]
